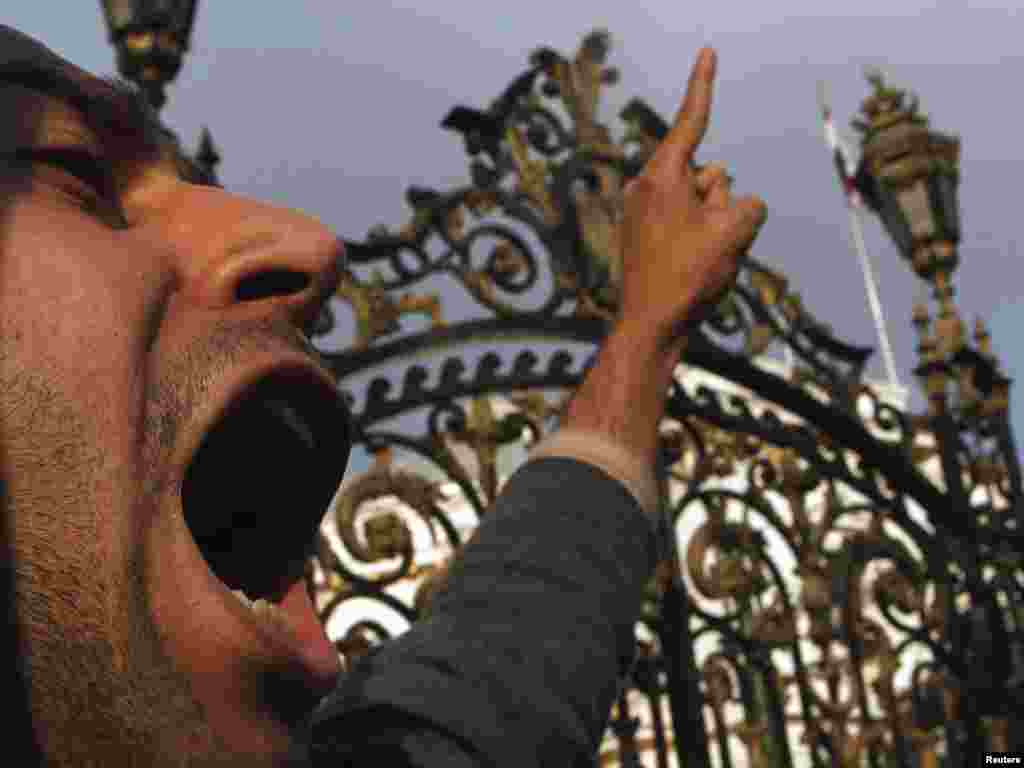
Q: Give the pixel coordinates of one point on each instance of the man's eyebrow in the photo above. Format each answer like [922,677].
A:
[112,109]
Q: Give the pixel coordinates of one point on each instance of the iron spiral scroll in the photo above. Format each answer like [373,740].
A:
[823,600]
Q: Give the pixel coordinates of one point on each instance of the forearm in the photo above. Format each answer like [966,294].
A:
[612,421]
[623,397]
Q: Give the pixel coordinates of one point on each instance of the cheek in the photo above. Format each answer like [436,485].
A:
[75,299]
[76,304]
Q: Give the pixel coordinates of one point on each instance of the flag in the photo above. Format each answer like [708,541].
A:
[855,181]
[846,168]
[859,190]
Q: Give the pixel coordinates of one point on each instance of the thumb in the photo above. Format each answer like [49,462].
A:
[748,215]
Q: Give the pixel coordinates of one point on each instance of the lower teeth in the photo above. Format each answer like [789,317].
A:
[263,609]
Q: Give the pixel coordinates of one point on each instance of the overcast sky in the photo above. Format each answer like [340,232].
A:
[338,112]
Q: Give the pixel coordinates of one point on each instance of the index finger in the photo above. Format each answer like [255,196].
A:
[677,149]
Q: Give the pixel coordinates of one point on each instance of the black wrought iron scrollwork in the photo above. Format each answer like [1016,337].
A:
[825,587]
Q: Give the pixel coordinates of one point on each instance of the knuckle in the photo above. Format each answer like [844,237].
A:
[717,170]
[724,225]
[644,186]
[712,176]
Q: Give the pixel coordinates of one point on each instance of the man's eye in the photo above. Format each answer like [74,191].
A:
[94,172]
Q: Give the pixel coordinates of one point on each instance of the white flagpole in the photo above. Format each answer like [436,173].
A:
[853,206]
[873,300]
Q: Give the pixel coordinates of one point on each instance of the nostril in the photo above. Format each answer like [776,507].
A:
[271,282]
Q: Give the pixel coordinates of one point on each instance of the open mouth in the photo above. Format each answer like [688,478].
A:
[258,486]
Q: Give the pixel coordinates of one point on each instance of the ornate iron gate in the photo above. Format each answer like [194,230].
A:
[898,642]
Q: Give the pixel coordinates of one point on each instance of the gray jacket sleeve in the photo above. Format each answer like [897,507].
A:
[518,662]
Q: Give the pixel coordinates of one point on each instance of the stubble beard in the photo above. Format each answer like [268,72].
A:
[106,692]
[99,692]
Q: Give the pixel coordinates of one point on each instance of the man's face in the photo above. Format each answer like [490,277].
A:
[165,435]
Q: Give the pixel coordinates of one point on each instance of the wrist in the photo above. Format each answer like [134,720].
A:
[623,395]
[661,339]
[657,348]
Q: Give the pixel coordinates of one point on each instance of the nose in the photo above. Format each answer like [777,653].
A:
[237,251]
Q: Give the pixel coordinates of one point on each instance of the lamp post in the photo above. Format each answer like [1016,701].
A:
[909,176]
[151,38]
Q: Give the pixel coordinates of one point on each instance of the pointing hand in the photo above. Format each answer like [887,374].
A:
[682,231]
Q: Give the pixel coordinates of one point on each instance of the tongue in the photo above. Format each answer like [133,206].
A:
[317,650]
